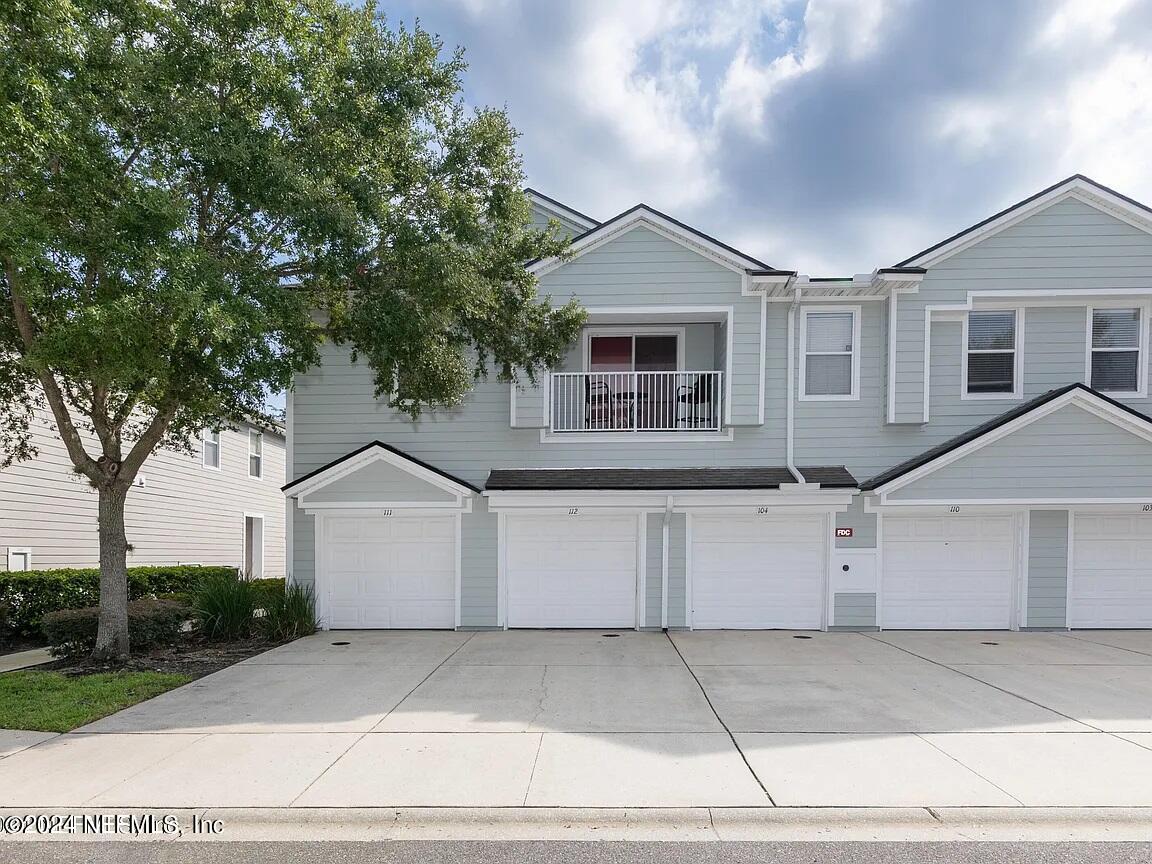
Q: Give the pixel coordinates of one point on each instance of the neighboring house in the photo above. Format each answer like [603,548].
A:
[220,505]
[960,440]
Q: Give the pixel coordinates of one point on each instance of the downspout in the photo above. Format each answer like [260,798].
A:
[664,563]
[790,421]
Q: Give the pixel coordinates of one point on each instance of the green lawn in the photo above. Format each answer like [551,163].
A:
[51,702]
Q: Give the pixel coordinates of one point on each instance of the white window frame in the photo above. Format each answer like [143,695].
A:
[1017,360]
[633,330]
[257,435]
[1141,390]
[13,551]
[805,313]
[204,442]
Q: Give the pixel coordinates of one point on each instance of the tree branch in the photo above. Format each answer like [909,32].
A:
[68,432]
[147,441]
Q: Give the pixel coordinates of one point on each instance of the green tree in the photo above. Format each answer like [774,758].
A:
[194,195]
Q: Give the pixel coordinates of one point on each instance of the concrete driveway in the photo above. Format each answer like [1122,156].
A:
[589,719]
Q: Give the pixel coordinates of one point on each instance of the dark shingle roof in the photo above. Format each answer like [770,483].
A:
[639,479]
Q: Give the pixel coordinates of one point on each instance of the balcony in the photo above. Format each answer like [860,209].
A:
[636,401]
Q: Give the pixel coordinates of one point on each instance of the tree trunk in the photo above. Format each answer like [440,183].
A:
[112,635]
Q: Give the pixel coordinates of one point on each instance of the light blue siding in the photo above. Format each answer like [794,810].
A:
[379,482]
[853,609]
[1069,454]
[1047,601]
[1068,246]
[863,526]
[478,571]
[653,567]
[677,571]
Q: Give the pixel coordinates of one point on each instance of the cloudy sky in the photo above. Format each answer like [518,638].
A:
[832,136]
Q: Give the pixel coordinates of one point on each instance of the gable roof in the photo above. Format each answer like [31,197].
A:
[663,224]
[635,479]
[1019,416]
[370,452]
[580,220]
[1077,186]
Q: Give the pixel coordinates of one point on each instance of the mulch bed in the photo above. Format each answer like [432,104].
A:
[193,657]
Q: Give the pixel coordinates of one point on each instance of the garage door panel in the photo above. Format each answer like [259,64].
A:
[577,571]
[390,572]
[950,573]
[758,572]
[1111,571]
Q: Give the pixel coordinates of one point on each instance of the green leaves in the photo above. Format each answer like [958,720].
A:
[184,184]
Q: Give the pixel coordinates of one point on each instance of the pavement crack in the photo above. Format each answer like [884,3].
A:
[966,767]
[972,677]
[720,720]
[532,773]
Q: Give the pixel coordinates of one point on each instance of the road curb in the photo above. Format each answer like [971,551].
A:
[641,824]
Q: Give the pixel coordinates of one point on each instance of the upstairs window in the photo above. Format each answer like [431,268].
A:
[990,367]
[829,362]
[255,454]
[211,447]
[1115,361]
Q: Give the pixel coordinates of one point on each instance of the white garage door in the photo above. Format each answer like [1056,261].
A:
[758,572]
[571,571]
[1111,571]
[390,572]
[948,572]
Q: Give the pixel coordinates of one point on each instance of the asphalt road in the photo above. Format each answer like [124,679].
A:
[549,852]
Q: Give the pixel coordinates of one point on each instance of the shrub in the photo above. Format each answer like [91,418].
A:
[273,586]
[224,605]
[289,613]
[72,632]
[29,595]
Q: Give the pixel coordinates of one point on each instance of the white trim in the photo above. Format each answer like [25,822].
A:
[560,212]
[665,537]
[879,565]
[459,520]
[642,570]
[689,611]
[854,394]
[319,577]
[13,551]
[1017,351]
[289,504]
[891,337]
[1020,585]
[259,435]
[729,337]
[547,437]
[644,217]
[373,454]
[204,442]
[1075,188]
[796,498]
[411,506]
[1039,503]
[1141,348]
[763,358]
[632,330]
[1069,569]
[245,552]
[501,570]
[1078,398]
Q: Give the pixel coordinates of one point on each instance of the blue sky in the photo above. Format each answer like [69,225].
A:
[829,136]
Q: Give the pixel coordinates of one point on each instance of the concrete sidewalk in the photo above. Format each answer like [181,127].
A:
[631,720]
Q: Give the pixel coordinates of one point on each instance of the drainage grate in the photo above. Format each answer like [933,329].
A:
[989,643]
[341,643]
[798,636]
[610,635]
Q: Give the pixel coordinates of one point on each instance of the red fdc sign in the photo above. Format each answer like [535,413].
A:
[843,532]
